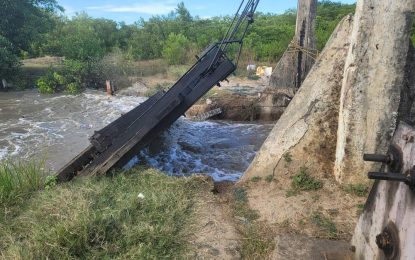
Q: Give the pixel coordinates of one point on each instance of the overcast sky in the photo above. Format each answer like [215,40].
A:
[130,11]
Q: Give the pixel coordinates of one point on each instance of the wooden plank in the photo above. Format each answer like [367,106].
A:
[70,170]
[103,138]
[151,123]
[116,144]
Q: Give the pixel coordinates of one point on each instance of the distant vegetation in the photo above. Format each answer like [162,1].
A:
[32,29]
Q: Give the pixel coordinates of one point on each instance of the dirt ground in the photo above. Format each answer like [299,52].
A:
[309,225]
[215,235]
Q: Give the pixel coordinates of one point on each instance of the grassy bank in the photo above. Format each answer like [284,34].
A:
[139,214]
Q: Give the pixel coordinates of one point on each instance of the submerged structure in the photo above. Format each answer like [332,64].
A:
[116,144]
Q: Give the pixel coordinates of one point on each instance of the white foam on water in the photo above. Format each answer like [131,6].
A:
[60,125]
[221,150]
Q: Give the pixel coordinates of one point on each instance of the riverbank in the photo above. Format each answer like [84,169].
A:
[136,214]
[143,213]
[242,98]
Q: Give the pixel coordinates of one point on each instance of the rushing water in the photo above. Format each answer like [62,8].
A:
[57,128]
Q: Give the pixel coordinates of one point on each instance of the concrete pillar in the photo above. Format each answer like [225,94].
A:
[297,61]
[372,84]
[307,129]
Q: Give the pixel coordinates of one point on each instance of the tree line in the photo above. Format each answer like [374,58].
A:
[35,28]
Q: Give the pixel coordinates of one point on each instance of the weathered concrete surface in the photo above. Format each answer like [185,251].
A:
[407,106]
[373,79]
[297,61]
[308,127]
[294,247]
[390,202]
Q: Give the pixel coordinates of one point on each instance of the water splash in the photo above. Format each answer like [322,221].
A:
[57,127]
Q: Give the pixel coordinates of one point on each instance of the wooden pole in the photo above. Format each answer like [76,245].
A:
[109,88]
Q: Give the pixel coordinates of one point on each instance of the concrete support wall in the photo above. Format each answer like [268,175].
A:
[295,64]
[373,79]
[308,128]
[390,204]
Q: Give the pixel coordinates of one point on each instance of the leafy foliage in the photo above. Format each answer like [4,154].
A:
[50,83]
[68,78]
[9,65]
[22,23]
[175,49]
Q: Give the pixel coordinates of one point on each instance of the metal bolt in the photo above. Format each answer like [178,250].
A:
[383,240]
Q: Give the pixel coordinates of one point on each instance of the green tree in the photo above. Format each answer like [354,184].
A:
[175,49]
[9,62]
[23,21]
[80,41]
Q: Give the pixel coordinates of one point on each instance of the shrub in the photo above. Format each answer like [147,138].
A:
[50,83]
[175,49]
[69,78]
[73,88]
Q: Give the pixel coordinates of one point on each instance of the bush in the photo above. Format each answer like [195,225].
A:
[69,78]
[50,83]
[73,88]
[175,49]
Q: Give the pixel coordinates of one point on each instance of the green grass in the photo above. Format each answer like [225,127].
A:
[103,218]
[288,157]
[253,77]
[360,190]
[327,226]
[360,208]
[303,181]
[19,179]
[256,179]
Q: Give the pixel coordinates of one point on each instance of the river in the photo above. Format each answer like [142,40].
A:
[57,127]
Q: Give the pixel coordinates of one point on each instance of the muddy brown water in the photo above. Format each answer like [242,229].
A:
[57,128]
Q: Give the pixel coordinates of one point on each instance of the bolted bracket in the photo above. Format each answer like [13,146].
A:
[394,163]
